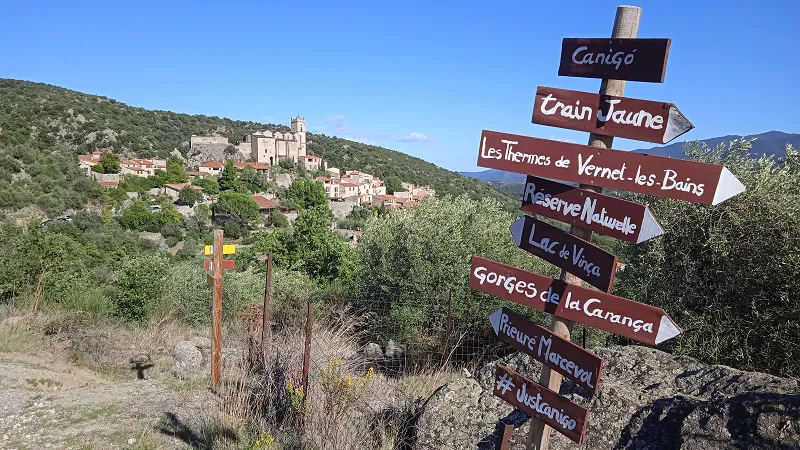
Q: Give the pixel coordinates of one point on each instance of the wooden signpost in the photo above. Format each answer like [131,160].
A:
[604,115]
[680,179]
[215,280]
[643,120]
[542,403]
[617,59]
[586,261]
[638,321]
[604,214]
[560,355]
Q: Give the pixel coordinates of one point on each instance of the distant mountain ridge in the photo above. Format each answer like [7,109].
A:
[770,143]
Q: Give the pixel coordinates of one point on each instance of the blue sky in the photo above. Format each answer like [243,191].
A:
[420,77]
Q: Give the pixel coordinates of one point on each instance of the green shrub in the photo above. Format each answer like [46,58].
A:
[138,287]
[727,273]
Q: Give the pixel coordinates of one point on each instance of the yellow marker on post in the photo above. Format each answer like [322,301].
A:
[227,249]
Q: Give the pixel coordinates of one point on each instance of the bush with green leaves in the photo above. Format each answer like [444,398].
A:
[728,274]
[416,255]
[139,285]
[109,163]
[277,219]
[305,193]
[189,196]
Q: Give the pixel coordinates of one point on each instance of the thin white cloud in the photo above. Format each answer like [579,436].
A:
[414,137]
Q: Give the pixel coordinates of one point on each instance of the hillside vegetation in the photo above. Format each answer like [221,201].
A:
[42,116]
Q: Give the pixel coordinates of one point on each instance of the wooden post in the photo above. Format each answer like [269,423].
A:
[448,326]
[505,439]
[626,25]
[216,310]
[265,326]
[307,350]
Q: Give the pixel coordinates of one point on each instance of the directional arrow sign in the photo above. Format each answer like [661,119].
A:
[680,179]
[640,322]
[227,264]
[588,262]
[617,59]
[625,117]
[604,214]
[566,417]
[559,354]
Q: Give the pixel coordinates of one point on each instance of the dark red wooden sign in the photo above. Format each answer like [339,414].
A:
[640,322]
[625,117]
[586,261]
[227,264]
[559,354]
[604,214]
[680,179]
[566,417]
[616,59]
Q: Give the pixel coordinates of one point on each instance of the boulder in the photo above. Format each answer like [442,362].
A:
[373,351]
[394,350]
[648,399]
[188,360]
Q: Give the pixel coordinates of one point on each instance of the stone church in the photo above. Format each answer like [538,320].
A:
[270,147]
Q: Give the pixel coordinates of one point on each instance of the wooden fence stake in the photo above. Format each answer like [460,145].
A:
[307,350]
[505,440]
[265,326]
[216,310]
[448,326]
[626,25]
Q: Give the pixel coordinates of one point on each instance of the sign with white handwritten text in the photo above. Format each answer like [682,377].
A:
[626,117]
[638,321]
[570,419]
[586,261]
[680,179]
[604,214]
[615,59]
[561,355]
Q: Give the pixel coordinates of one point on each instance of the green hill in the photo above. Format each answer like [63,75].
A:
[55,120]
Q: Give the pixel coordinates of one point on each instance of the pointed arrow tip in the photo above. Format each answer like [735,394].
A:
[516,230]
[728,186]
[677,124]
[650,227]
[667,330]
[494,319]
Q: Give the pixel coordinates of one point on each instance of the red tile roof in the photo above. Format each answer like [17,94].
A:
[108,184]
[213,164]
[264,202]
[311,157]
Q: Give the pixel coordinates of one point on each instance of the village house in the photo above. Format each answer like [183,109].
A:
[388,201]
[333,172]
[211,168]
[312,163]
[173,190]
[332,187]
[86,162]
[257,166]
[265,205]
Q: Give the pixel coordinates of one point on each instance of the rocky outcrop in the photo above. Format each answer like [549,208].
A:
[188,360]
[648,399]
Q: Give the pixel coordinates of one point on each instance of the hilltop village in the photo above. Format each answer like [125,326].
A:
[266,162]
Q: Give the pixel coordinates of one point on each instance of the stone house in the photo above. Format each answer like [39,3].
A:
[211,168]
[312,163]
[173,190]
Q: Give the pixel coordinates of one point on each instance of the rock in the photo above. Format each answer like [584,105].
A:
[230,358]
[393,350]
[648,399]
[373,351]
[202,342]
[14,321]
[131,441]
[188,360]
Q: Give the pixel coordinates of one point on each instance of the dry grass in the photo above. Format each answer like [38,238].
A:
[347,406]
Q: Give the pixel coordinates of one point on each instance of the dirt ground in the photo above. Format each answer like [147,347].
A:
[49,403]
